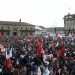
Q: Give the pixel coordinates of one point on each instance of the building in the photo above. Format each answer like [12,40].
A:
[43,30]
[55,30]
[18,28]
[8,28]
[69,24]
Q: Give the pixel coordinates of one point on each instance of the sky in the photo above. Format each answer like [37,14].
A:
[47,13]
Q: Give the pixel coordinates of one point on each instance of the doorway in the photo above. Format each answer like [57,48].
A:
[14,33]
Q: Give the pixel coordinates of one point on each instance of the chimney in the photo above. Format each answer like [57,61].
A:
[20,20]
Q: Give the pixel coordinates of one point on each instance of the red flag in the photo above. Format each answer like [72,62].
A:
[57,55]
[31,38]
[0,34]
[40,39]
[63,51]
[8,65]
[54,46]
[74,57]
[40,49]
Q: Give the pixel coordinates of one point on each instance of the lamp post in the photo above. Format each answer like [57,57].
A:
[54,33]
[68,31]
[55,30]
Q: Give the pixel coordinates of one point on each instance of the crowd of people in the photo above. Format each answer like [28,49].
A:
[37,55]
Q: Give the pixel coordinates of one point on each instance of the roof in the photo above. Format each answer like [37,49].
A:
[52,28]
[13,23]
[41,26]
[72,15]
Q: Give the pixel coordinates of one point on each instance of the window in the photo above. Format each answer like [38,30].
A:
[31,28]
[8,27]
[70,16]
[66,17]
[2,28]
[69,21]
[8,33]
[25,33]
[26,28]
[21,33]
[21,27]
[66,22]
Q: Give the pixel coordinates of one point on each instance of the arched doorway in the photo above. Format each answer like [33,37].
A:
[15,32]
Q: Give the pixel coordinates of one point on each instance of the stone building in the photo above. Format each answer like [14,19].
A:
[18,28]
[69,24]
[55,30]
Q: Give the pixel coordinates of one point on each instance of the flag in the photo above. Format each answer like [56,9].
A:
[57,55]
[74,57]
[9,54]
[42,52]
[8,65]
[60,37]
[46,62]
[40,39]
[55,45]
[0,34]
[63,51]
[39,71]
[40,49]
[31,38]
[46,71]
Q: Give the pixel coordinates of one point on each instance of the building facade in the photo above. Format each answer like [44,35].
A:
[55,30]
[18,28]
[69,24]
[43,30]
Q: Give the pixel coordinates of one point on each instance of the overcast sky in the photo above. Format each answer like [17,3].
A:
[45,13]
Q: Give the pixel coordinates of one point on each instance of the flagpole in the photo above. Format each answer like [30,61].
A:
[5,55]
[54,33]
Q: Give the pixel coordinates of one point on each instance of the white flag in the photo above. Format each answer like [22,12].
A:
[57,44]
[46,72]
[9,55]
[39,71]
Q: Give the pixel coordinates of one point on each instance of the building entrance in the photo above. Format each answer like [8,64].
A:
[14,33]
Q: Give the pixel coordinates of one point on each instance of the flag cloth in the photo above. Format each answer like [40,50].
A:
[46,72]
[60,37]
[39,71]
[57,44]
[74,57]
[40,49]
[9,54]
[0,34]
[57,56]
[8,65]
[63,51]
[31,38]
[54,46]
[40,39]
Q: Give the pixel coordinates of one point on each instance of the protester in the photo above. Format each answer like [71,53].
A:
[36,55]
